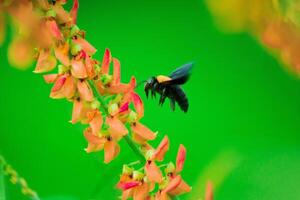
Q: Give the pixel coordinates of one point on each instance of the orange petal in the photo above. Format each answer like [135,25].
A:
[85,91]
[62,15]
[141,192]
[119,89]
[138,105]
[96,122]
[111,150]
[183,187]
[127,185]
[77,111]
[59,83]
[161,149]
[69,88]
[173,184]
[74,11]
[117,72]
[46,62]
[106,61]
[62,54]
[89,67]
[116,128]
[94,143]
[127,194]
[78,69]
[143,131]
[100,87]
[85,45]
[180,158]
[153,172]
[54,29]
[209,192]
[93,139]
[50,78]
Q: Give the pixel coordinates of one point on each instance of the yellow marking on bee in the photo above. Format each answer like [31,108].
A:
[162,78]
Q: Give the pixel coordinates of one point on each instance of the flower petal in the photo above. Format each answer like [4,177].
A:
[106,61]
[161,149]
[77,111]
[117,72]
[116,128]
[143,131]
[69,88]
[74,11]
[209,192]
[141,192]
[127,185]
[59,83]
[85,45]
[78,69]
[46,62]
[173,184]
[54,29]
[153,172]
[138,105]
[85,91]
[94,143]
[111,150]
[62,54]
[123,108]
[182,187]
[96,121]
[89,67]
[180,158]
[50,78]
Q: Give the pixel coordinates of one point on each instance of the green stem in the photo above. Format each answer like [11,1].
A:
[2,183]
[127,137]
[134,148]
[98,95]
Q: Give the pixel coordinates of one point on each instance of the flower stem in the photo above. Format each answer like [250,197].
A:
[127,137]
[134,148]
[98,95]
[2,183]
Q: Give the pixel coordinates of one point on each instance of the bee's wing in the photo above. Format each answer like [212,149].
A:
[180,75]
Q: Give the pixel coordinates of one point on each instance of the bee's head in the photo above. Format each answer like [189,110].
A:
[149,84]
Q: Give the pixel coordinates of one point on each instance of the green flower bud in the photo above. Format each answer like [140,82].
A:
[62,69]
[113,108]
[170,168]
[127,170]
[95,104]
[149,154]
[51,13]
[138,176]
[163,184]
[132,117]
[75,49]
[106,79]
[74,30]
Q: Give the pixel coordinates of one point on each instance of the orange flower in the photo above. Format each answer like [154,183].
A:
[64,87]
[105,139]
[141,133]
[46,62]
[175,184]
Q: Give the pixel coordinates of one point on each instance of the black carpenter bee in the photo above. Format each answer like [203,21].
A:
[169,87]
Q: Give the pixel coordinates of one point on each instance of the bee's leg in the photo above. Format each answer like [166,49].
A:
[147,92]
[153,88]
[172,104]
[162,97]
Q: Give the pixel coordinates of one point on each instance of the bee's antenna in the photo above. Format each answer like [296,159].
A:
[140,83]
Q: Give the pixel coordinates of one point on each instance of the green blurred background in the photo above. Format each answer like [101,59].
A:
[241,132]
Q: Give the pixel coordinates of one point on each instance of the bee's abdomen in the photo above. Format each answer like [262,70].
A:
[179,96]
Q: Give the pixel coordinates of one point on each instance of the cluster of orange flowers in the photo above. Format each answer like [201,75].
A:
[111,108]
[275,23]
